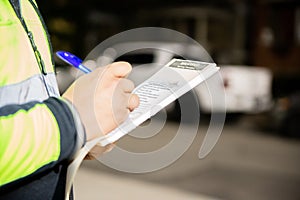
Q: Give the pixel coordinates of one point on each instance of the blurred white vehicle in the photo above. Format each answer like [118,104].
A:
[247,88]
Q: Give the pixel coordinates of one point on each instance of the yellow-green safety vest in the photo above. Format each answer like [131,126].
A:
[37,127]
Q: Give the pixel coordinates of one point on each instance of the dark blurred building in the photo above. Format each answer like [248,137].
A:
[261,32]
[267,28]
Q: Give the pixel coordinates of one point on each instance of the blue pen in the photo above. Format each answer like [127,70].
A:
[73,60]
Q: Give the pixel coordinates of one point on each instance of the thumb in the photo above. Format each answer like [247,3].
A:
[120,69]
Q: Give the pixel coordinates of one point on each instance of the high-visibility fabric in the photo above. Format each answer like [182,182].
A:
[18,61]
[38,130]
[22,154]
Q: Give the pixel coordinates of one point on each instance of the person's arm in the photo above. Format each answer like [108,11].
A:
[36,136]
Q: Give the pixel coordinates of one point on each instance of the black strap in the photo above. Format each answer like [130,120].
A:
[16,6]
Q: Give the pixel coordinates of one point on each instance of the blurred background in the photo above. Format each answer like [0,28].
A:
[257,45]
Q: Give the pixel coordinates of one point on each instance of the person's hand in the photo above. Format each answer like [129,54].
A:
[103,99]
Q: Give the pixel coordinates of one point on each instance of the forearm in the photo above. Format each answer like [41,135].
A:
[36,135]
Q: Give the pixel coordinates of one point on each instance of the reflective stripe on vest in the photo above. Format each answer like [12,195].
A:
[32,89]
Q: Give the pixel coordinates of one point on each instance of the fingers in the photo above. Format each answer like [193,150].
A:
[133,102]
[126,85]
[128,101]
[98,150]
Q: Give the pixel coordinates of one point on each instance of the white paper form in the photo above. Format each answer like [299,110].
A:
[165,86]
[168,84]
